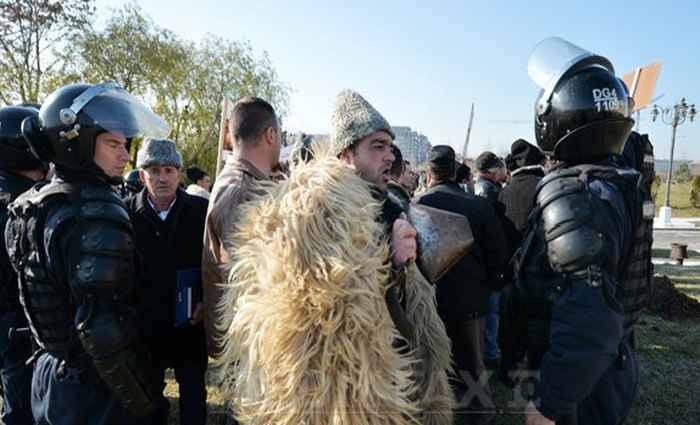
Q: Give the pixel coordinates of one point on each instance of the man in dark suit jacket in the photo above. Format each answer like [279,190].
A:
[463,293]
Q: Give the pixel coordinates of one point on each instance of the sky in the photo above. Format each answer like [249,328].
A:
[423,63]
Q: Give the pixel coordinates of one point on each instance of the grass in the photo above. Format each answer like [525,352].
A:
[680,200]
[669,358]
[666,253]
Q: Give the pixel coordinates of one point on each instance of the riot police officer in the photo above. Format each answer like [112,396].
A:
[132,184]
[19,171]
[581,255]
[71,244]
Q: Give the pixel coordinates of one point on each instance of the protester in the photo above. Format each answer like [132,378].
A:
[168,233]
[200,182]
[490,175]
[463,293]
[518,196]
[71,243]
[408,177]
[395,186]
[258,140]
[582,252]
[330,318]
[19,171]
[464,177]
[526,163]
[362,138]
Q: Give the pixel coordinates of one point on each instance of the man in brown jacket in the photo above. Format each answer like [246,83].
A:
[257,137]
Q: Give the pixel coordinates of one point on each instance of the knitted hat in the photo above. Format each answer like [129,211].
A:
[158,152]
[488,161]
[353,119]
[525,153]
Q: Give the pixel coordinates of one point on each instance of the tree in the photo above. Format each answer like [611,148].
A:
[30,30]
[695,192]
[230,68]
[682,174]
[183,81]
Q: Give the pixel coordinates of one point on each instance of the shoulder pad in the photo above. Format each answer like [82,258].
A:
[568,221]
[556,184]
[103,204]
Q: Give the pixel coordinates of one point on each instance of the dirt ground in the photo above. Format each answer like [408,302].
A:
[667,301]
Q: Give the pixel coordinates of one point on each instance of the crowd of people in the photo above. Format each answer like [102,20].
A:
[309,292]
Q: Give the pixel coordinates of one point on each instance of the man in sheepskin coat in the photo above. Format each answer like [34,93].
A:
[329,319]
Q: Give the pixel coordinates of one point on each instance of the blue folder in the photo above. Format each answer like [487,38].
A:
[188,293]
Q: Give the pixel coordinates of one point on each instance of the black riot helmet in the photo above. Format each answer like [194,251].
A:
[583,110]
[14,150]
[73,116]
[133,182]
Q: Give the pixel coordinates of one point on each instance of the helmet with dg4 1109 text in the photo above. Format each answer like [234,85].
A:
[72,116]
[583,110]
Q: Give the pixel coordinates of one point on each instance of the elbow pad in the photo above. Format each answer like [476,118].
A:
[110,339]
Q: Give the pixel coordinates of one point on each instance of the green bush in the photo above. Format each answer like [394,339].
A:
[655,185]
[695,192]
[682,174]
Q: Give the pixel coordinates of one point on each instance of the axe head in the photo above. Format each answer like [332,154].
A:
[443,239]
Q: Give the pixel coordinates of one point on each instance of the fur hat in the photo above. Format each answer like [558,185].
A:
[158,152]
[353,119]
[525,154]
[195,174]
[441,158]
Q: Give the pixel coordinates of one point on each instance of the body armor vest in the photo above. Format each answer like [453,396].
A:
[45,292]
[634,282]
[10,189]
[635,276]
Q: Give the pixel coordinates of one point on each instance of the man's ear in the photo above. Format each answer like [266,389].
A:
[142,174]
[346,157]
[270,135]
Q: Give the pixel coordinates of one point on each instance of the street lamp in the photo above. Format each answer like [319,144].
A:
[673,116]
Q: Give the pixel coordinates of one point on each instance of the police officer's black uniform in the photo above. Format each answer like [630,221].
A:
[71,243]
[579,256]
[15,343]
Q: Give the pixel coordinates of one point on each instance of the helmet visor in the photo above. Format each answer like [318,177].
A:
[118,111]
[553,57]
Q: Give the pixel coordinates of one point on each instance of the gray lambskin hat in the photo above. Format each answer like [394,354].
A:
[158,152]
[353,119]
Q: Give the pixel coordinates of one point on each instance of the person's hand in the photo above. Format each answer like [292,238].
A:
[198,314]
[534,417]
[403,243]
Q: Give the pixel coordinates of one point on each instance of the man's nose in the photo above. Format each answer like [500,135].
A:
[390,157]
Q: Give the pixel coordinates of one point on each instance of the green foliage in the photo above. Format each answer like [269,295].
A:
[695,192]
[183,81]
[680,200]
[682,174]
[31,33]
